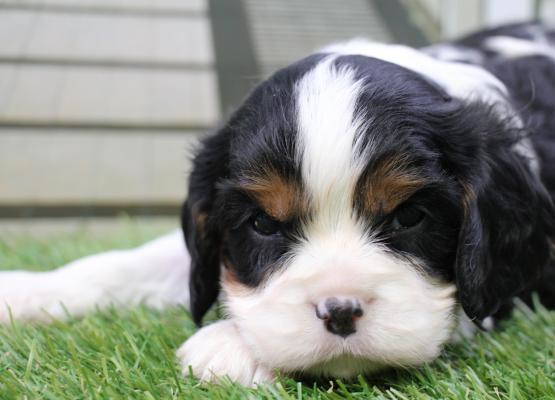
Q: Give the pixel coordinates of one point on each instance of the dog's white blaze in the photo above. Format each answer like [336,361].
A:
[328,133]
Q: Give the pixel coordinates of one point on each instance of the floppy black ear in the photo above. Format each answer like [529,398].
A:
[505,238]
[202,234]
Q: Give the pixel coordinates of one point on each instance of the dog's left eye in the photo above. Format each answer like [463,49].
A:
[407,217]
[265,225]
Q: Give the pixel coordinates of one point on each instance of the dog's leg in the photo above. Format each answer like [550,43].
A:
[155,274]
[217,351]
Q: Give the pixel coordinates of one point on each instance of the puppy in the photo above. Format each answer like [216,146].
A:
[356,212]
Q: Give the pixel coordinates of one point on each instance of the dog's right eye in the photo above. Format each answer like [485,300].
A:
[407,217]
[265,225]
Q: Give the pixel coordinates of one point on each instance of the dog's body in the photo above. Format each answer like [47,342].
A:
[360,205]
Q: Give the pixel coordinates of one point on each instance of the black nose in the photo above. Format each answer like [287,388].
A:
[339,315]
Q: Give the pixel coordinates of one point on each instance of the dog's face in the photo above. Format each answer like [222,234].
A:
[352,204]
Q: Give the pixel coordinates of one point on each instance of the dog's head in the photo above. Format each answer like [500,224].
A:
[354,201]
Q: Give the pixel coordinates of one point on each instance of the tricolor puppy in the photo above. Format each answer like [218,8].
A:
[358,209]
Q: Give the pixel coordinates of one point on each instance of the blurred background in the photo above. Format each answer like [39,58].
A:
[101,101]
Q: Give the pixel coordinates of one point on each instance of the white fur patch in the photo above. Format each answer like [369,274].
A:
[156,274]
[454,53]
[329,140]
[511,47]
[463,81]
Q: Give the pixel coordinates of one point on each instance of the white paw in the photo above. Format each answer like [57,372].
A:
[218,351]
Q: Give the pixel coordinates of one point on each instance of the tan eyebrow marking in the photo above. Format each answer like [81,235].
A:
[389,184]
[279,197]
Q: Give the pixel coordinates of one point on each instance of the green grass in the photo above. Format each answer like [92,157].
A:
[130,354]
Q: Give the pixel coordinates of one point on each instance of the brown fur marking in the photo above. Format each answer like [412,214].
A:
[200,220]
[389,184]
[468,197]
[278,197]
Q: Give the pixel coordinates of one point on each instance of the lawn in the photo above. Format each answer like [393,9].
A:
[130,354]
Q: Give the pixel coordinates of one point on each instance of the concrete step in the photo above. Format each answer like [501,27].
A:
[42,94]
[35,35]
[110,5]
[92,166]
